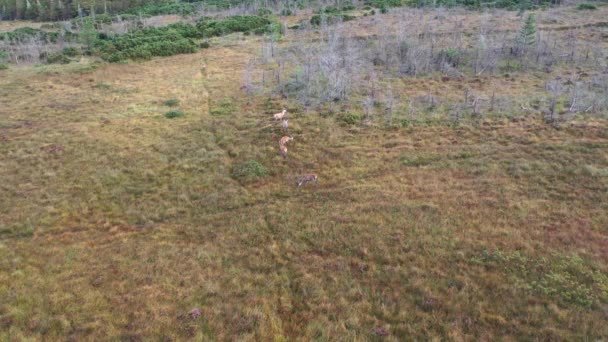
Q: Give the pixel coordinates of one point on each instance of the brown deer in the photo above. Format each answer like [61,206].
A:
[284,140]
[204,70]
[307,178]
[279,116]
[283,151]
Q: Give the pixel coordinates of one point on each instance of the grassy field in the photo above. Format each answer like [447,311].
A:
[116,221]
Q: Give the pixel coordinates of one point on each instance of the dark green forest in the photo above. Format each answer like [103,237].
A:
[49,10]
[52,10]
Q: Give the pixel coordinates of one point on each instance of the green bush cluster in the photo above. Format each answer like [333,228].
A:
[350,118]
[57,58]
[3,66]
[182,8]
[317,19]
[171,102]
[174,114]
[207,27]
[177,38]
[384,3]
[145,44]
[28,32]
[508,4]
[71,51]
[223,108]
[586,6]
[249,170]
[568,278]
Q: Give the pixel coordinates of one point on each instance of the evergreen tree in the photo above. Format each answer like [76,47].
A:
[527,33]
[523,5]
[88,34]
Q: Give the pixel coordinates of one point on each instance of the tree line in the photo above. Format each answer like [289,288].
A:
[52,10]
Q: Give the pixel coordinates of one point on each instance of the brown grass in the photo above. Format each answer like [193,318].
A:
[116,222]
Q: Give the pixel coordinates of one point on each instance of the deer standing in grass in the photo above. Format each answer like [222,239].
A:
[283,151]
[285,124]
[204,69]
[307,178]
[279,116]
[285,140]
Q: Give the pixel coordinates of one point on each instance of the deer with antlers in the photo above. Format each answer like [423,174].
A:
[307,178]
[279,116]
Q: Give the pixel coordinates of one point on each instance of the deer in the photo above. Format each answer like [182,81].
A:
[307,178]
[279,116]
[284,140]
[283,151]
[204,69]
[285,124]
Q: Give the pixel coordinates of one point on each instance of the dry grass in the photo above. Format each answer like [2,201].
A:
[115,222]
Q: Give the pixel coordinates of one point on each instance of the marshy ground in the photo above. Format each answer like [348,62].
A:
[116,221]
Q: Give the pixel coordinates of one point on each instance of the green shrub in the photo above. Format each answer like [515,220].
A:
[450,55]
[3,66]
[239,23]
[174,114]
[70,51]
[330,10]
[350,118]
[57,58]
[264,12]
[586,6]
[103,86]
[225,107]
[171,103]
[416,161]
[286,12]
[3,55]
[28,32]
[348,7]
[177,38]
[182,8]
[145,44]
[206,45]
[249,170]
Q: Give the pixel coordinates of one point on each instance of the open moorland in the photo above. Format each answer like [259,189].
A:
[461,155]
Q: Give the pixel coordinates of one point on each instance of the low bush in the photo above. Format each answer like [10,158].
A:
[182,8]
[349,7]
[586,6]
[171,103]
[249,171]
[416,161]
[3,66]
[28,32]
[174,114]
[350,118]
[70,51]
[264,12]
[145,44]
[177,38]
[223,108]
[57,58]
[238,23]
